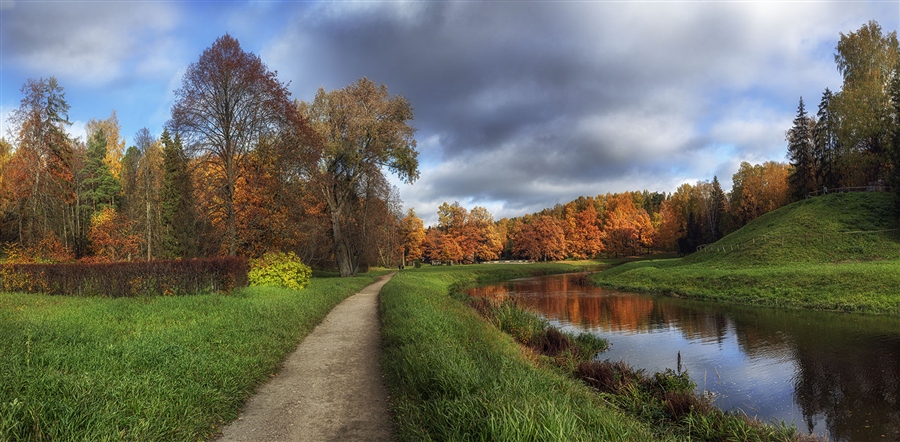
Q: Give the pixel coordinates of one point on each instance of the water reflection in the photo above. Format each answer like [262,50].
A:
[828,373]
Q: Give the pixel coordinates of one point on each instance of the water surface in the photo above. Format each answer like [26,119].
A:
[828,373]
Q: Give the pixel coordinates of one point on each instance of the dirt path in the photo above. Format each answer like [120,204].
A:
[330,387]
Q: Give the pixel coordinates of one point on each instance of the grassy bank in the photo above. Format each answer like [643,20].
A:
[805,255]
[156,368]
[453,376]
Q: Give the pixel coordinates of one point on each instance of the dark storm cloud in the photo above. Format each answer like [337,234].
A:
[527,104]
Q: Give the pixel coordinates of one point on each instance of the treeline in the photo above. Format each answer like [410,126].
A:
[240,169]
[626,223]
[852,141]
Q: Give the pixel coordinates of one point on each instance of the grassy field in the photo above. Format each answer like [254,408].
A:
[454,376]
[800,256]
[158,368]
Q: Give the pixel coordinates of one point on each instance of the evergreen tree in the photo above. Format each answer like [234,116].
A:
[718,201]
[96,189]
[826,150]
[99,188]
[800,152]
[178,214]
[894,132]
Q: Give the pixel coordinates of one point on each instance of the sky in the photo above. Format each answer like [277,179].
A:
[519,105]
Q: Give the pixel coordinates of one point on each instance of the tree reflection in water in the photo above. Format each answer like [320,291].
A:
[846,368]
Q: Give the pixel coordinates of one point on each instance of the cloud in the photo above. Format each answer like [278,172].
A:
[88,43]
[529,104]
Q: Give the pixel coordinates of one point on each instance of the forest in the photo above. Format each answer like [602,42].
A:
[242,169]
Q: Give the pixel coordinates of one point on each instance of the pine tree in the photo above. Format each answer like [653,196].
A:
[718,201]
[99,187]
[800,152]
[96,189]
[178,214]
[894,132]
[826,146]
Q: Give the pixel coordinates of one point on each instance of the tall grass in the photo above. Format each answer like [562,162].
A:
[452,376]
[155,368]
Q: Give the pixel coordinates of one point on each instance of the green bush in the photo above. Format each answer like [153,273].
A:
[279,269]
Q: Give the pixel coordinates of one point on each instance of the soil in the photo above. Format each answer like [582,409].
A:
[330,388]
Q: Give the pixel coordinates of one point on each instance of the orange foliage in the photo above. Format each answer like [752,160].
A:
[108,239]
[584,239]
[543,239]
[412,233]
[759,189]
[627,227]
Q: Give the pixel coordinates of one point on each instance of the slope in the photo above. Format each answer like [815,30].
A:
[835,252]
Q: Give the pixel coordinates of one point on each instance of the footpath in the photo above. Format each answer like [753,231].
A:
[330,388]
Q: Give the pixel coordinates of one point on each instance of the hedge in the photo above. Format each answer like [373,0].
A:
[139,278]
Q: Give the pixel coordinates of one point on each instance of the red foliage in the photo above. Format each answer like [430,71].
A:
[123,279]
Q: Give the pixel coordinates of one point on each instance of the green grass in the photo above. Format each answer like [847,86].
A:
[156,368]
[794,257]
[814,230]
[452,376]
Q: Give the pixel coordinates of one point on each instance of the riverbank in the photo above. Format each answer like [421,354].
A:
[452,375]
[156,368]
[836,252]
[854,287]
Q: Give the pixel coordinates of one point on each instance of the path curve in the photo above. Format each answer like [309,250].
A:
[330,388]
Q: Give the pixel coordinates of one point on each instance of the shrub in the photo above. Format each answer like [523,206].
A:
[139,278]
[279,269]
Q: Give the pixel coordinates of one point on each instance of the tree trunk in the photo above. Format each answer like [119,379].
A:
[342,253]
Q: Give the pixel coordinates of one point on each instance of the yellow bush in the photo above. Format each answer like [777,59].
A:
[279,269]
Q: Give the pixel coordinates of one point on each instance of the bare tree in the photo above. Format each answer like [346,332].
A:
[228,102]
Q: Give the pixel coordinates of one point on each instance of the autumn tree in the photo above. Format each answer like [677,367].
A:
[361,130]
[147,193]
[866,59]
[627,227]
[484,233]
[41,176]
[672,226]
[584,237]
[115,143]
[758,189]
[802,179]
[228,102]
[412,236]
[541,239]
[7,214]
[453,221]
[385,214]
[110,237]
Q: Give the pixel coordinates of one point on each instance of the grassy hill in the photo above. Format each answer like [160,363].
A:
[831,228]
[830,252]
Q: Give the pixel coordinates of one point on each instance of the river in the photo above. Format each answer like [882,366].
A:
[827,373]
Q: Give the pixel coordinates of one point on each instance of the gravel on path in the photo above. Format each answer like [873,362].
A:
[330,388]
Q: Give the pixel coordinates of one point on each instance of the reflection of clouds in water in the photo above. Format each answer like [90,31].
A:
[826,373]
